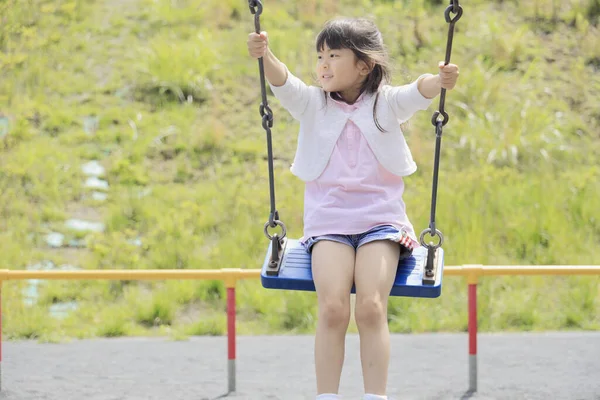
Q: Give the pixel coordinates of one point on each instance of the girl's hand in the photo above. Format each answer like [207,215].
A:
[448,75]
[257,44]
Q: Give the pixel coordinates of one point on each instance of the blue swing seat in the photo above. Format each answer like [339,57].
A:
[295,272]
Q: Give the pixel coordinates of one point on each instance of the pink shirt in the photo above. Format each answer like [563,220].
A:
[354,193]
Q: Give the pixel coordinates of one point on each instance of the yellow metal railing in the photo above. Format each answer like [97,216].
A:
[230,276]
[235,274]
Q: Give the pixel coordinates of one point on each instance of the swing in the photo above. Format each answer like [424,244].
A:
[287,265]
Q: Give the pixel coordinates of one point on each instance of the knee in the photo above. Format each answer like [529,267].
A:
[335,313]
[370,311]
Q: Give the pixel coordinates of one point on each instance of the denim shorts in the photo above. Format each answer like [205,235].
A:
[382,232]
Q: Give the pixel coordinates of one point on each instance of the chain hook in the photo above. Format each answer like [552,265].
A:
[254,4]
[267,115]
[453,8]
[435,118]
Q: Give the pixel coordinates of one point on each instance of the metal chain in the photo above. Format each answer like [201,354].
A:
[266,113]
[456,9]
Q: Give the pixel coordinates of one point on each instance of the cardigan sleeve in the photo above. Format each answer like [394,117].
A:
[406,100]
[293,95]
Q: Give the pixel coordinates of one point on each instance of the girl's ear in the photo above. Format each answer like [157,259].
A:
[364,68]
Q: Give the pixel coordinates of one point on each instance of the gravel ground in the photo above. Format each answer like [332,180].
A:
[431,366]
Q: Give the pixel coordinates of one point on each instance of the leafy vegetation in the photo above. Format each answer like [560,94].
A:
[163,95]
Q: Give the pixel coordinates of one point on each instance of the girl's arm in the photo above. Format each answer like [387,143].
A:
[418,95]
[293,94]
[275,70]
[407,99]
[429,86]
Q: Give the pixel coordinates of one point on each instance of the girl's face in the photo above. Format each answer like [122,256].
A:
[340,71]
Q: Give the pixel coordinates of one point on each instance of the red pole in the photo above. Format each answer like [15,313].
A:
[231,338]
[0,335]
[473,319]
[473,337]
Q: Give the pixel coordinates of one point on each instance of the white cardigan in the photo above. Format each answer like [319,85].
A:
[321,124]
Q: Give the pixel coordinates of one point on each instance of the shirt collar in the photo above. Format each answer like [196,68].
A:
[342,103]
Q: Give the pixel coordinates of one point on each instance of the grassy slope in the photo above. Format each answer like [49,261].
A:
[179,133]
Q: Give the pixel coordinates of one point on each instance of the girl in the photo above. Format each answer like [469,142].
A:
[352,156]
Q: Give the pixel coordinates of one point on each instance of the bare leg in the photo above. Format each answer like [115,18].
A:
[375,271]
[333,274]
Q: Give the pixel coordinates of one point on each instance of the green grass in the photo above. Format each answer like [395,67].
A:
[176,97]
